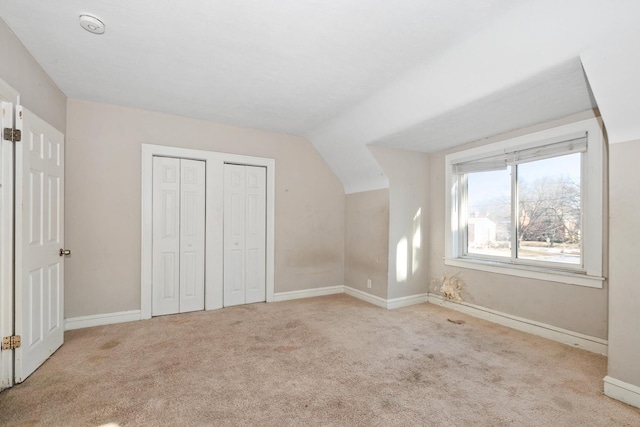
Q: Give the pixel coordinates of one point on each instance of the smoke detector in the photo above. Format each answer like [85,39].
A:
[92,24]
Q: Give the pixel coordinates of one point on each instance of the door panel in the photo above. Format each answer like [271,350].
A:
[192,231]
[178,235]
[256,234]
[244,234]
[166,236]
[39,238]
[234,225]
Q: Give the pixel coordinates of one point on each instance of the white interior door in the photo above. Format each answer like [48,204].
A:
[39,237]
[178,235]
[244,234]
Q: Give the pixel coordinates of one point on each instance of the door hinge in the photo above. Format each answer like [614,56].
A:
[10,343]
[13,135]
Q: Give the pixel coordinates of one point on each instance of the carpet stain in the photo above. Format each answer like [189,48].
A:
[563,403]
[286,348]
[109,345]
[336,404]
[29,423]
[95,359]
[575,386]
[389,406]
[496,379]
[293,324]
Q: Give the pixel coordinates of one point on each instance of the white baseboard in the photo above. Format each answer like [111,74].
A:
[389,304]
[371,299]
[101,319]
[574,339]
[307,293]
[624,392]
[407,301]
[132,315]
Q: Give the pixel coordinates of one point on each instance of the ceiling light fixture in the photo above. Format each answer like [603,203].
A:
[92,24]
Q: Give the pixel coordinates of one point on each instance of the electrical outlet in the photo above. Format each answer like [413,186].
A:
[369,283]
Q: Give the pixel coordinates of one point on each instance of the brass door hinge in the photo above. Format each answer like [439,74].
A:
[13,135]
[10,343]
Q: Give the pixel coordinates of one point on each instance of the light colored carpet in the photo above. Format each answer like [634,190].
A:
[321,361]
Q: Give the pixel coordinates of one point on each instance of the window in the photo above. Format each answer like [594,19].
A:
[531,206]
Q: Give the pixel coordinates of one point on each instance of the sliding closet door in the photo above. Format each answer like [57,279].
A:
[244,234]
[178,235]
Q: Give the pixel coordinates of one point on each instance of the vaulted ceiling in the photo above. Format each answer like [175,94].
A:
[414,74]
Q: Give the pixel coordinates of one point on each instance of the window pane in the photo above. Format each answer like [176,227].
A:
[549,210]
[489,213]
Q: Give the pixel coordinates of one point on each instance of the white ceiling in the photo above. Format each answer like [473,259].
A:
[415,74]
[286,65]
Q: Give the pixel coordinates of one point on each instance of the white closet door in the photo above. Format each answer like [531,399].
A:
[192,210]
[39,271]
[234,235]
[244,234]
[255,240]
[166,236]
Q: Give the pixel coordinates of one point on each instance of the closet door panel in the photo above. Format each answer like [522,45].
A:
[192,232]
[166,236]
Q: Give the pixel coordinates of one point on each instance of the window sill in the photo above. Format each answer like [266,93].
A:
[527,271]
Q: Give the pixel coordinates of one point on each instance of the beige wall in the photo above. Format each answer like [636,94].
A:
[624,266]
[103,202]
[37,91]
[576,308]
[409,206]
[367,241]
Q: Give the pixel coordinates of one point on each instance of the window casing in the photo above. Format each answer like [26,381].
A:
[530,206]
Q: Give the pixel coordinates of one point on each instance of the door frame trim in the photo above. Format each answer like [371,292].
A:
[12,96]
[6,255]
[214,191]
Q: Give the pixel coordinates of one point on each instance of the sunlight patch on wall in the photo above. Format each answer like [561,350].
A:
[416,242]
[401,260]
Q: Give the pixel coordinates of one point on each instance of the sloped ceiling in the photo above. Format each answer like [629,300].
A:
[557,92]
[413,74]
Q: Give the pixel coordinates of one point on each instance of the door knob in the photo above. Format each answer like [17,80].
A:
[64,252]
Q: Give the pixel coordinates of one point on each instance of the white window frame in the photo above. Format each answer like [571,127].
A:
[592,188]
